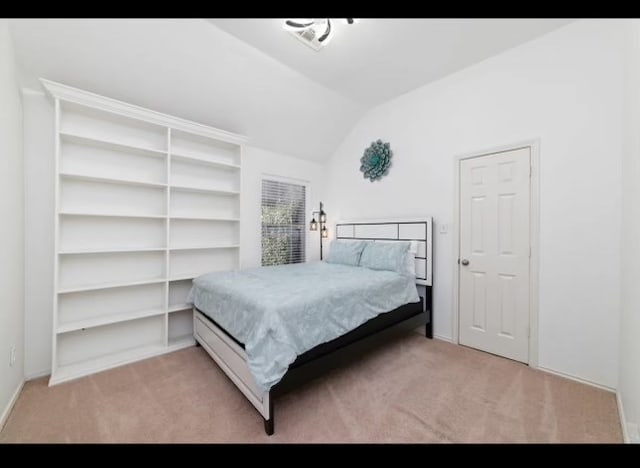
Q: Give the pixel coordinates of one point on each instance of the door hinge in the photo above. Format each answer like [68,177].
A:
[529,251]
[530,172]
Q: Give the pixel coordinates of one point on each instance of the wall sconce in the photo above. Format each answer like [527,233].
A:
[313,226]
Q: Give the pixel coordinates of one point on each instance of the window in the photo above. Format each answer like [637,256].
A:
[283,223]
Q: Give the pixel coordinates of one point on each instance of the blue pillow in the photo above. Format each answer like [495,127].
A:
[389,256]
[346,253]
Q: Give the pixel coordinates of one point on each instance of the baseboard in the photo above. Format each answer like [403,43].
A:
[623,419]
[12,401]
[448,339]
[37,375]
[576,379]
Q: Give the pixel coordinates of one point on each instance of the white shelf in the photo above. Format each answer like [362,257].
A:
[110,144]
[107,320]
[205,247]
[112,215]
[201,160]
[184,277]
[79,369]
[110,180]
[180,342]
[110,285]
[205,218]
[185,188]
[179,307]
[115,250]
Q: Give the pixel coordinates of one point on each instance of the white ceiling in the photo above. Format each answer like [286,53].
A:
[378,59]
[188,68]
[250,77]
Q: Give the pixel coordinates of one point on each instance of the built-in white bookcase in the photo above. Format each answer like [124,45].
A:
[144,202]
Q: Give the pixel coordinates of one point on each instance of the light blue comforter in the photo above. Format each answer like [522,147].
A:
[280,312]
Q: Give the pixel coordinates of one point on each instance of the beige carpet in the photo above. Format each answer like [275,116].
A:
[410,390]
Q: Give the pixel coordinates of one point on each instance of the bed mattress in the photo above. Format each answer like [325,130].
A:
[280,312]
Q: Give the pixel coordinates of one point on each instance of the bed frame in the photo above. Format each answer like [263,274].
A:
[229,354]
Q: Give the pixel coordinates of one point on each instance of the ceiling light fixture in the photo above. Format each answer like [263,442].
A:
[315,32]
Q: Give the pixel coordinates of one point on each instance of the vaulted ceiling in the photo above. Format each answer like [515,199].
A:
[251,77]
[375,60]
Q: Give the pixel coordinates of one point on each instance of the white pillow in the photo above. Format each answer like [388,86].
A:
[346,253]
[413,244]
[410,263]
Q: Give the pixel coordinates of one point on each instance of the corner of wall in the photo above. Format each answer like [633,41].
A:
[629,349]
[12,234]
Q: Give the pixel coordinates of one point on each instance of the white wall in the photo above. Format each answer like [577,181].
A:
[563,88]
[12,230]
[629,385]
[39,169]
[39,206]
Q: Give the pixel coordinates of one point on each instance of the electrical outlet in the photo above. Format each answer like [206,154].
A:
[443,228]
[12,355]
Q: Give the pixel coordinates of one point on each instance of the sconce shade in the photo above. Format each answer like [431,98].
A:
[313,226]
[325,231]
[323,217]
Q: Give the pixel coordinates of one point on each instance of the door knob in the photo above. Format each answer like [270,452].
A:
[465,262]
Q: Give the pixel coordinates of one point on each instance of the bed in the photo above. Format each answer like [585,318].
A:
[270,327]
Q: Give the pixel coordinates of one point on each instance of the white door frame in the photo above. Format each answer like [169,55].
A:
[534,234]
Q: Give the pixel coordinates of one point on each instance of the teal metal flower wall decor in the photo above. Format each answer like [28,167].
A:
[376,160]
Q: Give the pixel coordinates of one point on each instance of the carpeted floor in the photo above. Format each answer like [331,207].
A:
[410,390]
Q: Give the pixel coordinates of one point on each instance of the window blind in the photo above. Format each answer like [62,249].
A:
[283,223]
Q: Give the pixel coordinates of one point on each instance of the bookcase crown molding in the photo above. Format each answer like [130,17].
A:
[89,99]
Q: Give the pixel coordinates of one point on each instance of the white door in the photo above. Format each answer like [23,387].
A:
[494,253]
